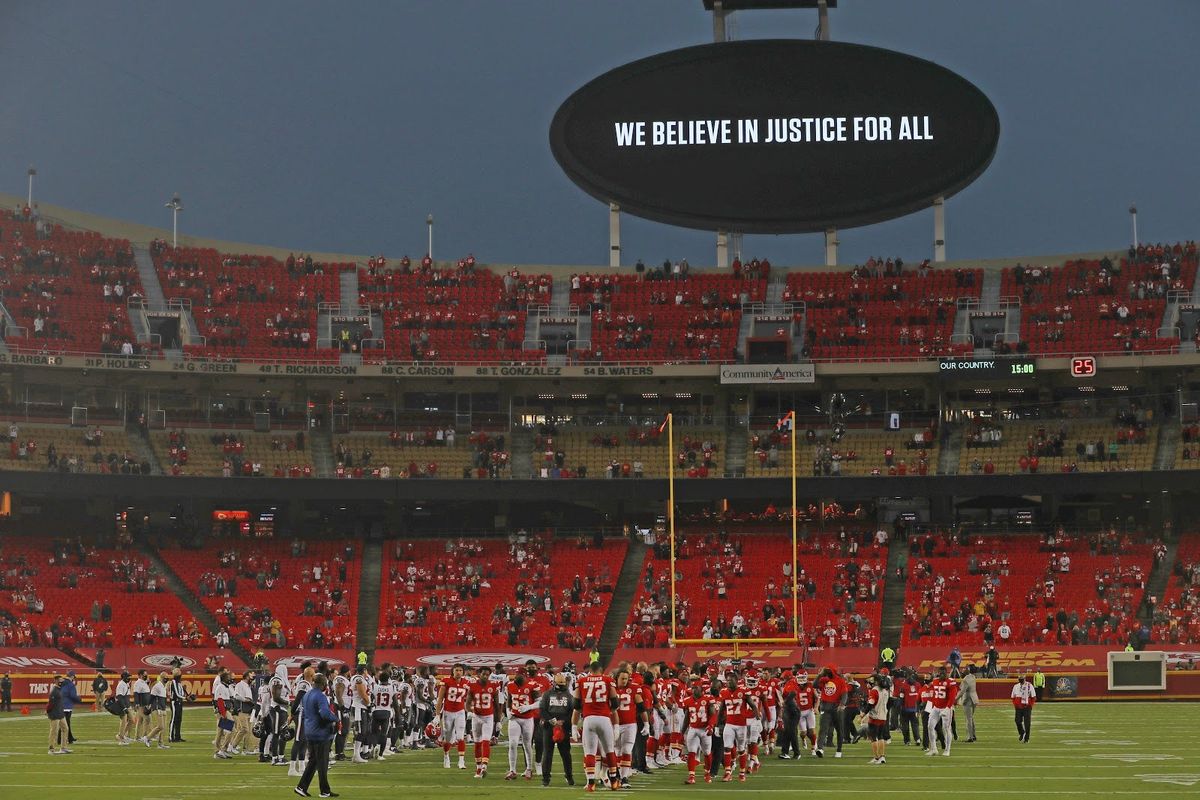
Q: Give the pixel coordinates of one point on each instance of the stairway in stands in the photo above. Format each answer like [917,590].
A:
[952,440]
[141,445]
[622,599]
[368,598]
[893,596]
[520,444]
[1156,584]
[1168,440]
[320,446]
[184,593]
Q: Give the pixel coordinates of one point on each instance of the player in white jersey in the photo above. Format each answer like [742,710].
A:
[302,686]
[381,714]
[274,713]
[360,701]
[341,704]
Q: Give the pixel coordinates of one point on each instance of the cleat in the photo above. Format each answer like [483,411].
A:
[819,753]
[445,761]
[707,778]
[838,754]
[691,779]
[882,760]
[591,787]
[946,754]
[728,778]
[511,776]
[527,775]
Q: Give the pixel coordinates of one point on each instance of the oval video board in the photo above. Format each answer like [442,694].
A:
[775,135]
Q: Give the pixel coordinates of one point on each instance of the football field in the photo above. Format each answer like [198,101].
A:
[1125,749]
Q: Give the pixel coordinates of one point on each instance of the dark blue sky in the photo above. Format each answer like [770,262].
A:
[339,126]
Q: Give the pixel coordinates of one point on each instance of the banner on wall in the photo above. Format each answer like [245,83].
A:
[155,658]
[846,659]
[509,658]
[1014,659]
[37,659]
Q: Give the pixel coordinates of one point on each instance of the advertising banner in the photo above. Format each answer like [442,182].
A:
[482,656]
[768,373]
[155,658]
[846,659]
[1015,659]
[37,659]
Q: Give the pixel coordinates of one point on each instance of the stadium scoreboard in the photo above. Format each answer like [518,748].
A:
[996,368]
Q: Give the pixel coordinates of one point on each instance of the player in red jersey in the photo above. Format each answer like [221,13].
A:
[701,711]
[522,709]
[539,683]
[925,703]
[676,717]
[650,705]
[943,694]
[595,716]
[736,707]
[630,715]
[770,708]
[757,692]
[483,704]
[451,707]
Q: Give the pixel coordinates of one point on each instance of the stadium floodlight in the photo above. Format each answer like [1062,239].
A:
[29,198]
[429,224]
[788,423]
[1133,214]
[176,205]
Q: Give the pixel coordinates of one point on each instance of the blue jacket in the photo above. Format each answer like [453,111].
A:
[70,696]
[318,718]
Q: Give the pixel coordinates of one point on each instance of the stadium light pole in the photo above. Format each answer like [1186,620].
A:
[671,513]
[1133,215]
[176,205]
[29,197]
[429,225]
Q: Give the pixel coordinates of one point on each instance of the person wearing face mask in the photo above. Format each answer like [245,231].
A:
[58,720]
[555,711]
[1023,698]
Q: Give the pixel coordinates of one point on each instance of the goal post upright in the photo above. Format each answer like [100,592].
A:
[738,643]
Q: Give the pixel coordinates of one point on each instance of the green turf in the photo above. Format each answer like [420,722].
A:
[1077,749]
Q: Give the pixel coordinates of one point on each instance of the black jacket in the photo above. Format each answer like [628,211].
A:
[557,704]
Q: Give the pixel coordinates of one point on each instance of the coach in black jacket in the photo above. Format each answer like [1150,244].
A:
[555,712]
